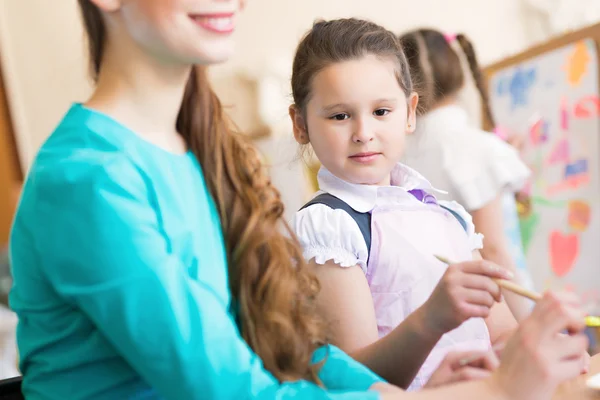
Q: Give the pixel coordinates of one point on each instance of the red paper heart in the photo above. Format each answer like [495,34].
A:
[563,252]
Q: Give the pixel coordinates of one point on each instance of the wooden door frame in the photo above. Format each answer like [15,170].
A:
[590,32]
[11,174]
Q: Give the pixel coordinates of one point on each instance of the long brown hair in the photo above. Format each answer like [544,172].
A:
[436,65]
[331,42]
[272,288]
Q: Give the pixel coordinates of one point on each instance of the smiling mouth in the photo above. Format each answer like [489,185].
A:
[217,23]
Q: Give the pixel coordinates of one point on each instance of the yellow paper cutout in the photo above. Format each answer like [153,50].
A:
[577,63]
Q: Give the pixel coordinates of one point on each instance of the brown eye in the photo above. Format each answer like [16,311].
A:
[340,117]
[381,112]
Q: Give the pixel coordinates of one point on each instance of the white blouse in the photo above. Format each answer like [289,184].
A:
[472,165]
[327,234]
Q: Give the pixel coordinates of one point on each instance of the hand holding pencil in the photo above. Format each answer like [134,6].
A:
[590,320]
[506,284]
[466,290]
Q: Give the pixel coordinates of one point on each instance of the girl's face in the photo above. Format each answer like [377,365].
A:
[356,119]
[174,31]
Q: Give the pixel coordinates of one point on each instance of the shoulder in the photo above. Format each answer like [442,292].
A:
[64,171]
[86,149]
[330,234]
[74,183]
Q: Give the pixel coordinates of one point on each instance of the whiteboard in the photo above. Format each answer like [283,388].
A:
[552,101]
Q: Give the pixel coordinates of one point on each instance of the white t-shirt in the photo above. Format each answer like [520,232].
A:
[472,165]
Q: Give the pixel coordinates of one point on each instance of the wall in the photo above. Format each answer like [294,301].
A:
[554,17]
[42,55]
[42,51]
[497,31]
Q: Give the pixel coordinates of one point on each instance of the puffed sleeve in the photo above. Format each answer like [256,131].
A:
[330,235]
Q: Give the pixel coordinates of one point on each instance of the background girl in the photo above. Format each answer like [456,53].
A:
[476,168]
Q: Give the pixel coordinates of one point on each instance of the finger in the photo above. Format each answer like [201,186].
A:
[551,298]
[556,322]
[573,306]
[486,268]
[570,347]
[468,310]
[565,369]
[585,363]
[553,315]
[459,359]
[565,297]
[488,361]
[499,348]
[478,298]
[473,281]
[469,374]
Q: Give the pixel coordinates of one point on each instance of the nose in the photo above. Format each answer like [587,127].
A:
[363,133]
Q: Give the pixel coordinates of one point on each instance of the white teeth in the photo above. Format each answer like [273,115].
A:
[219,23]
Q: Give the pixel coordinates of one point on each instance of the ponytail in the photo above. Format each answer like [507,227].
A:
[435,66]
[469,52]
[270,284]
[417,55]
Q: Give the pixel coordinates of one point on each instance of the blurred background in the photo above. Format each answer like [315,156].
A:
[43,70]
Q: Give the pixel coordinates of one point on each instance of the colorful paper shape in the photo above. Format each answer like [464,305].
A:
[528,226]
[518,86]
[587,107]
[579,215]
[568,185]
[577,64]
[538,132]
[564,250]
[576,168]
[564,114]
[560,153]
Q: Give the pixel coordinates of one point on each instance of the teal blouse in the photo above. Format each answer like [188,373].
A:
[120,279]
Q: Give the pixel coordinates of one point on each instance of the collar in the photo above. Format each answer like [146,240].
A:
[363,198]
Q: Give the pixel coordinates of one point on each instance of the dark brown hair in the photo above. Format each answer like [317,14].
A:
[330,42]
[437,67]
[270,284]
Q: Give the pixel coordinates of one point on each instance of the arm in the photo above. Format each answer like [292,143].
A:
[396,357]
[483,389]
[104,252]
[536,359]
[345,301]
[501,323]
[488,220]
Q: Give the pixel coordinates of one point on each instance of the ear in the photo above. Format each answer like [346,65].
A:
[107,5]
[300,132]
[411,120]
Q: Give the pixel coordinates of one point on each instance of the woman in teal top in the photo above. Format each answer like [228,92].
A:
[120,277]
[131,214]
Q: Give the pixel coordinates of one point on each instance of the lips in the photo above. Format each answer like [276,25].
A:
[366,157]
[218,23]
